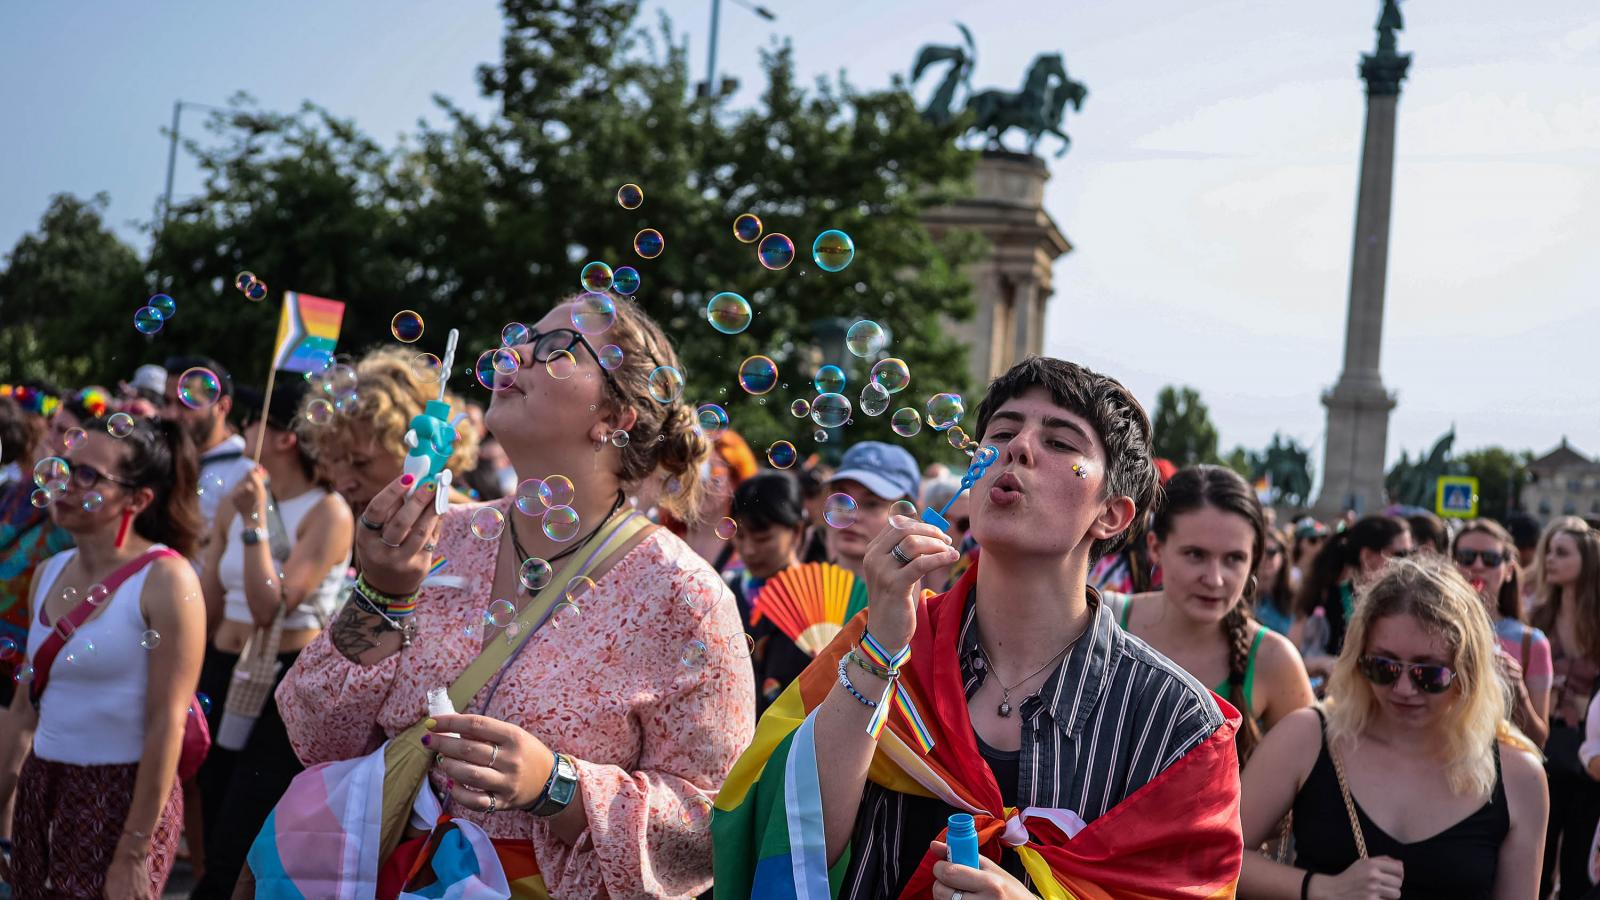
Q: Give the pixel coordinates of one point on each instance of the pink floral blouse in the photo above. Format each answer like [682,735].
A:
[654,729]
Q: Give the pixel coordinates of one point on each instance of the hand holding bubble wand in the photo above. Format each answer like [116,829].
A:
[432,436]
[981,461]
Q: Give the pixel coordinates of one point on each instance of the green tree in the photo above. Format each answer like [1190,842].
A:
[1183,429]
[1242,461]
[1501,474]
[62,289]
[489,220]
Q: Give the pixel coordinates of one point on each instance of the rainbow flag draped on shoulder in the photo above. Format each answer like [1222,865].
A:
[1177,836]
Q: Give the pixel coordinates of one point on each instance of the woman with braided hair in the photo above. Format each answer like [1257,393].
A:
[1208,534]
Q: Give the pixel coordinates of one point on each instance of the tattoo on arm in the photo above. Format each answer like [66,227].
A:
[355,633]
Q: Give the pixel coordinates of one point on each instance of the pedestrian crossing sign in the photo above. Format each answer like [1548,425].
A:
[1457,497]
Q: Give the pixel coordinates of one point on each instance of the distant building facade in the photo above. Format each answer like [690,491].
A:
[1562,482]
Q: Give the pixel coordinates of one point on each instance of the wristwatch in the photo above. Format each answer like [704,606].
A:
[252,536]
[559,790]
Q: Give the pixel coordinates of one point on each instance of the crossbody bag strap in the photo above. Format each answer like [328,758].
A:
[1349,802]
[623,527]
[45,657]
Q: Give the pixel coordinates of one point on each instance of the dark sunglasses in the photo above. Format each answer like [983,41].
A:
[85,477]
[557,340]
[1274,551]
[1491,558]
[1397,554]
[1429,679]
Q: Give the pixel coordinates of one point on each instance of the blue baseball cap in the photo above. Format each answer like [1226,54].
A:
[886,470]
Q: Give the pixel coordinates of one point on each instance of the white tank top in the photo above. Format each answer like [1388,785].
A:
[317,608]
[92,712]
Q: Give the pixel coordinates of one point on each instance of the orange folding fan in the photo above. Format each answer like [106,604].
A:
[810,603]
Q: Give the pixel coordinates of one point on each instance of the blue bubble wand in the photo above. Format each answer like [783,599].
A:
[432,436]
[981,461]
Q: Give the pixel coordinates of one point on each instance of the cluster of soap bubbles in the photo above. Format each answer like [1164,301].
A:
[331,389]
[155,313]
[253,288]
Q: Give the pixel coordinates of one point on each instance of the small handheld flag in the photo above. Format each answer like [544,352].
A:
[308,328]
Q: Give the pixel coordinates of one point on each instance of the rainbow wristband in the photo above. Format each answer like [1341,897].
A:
[393,607]
[896,693]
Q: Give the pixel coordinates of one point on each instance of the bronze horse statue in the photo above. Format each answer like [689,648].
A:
[1038,108]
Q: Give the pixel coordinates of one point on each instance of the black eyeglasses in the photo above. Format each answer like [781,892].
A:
[561,340]
[1491,558]
[85,477]
[1429,679]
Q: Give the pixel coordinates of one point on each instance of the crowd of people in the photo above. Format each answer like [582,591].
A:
[562,667]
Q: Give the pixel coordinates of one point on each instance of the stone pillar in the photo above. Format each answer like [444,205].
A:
[1012,284]
[1358,404]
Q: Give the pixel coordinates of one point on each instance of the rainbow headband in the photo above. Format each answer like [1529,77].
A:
[31,399]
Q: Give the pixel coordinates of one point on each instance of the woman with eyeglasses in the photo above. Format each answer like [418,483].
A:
[1487,558]
[1409,782]
[1207,534]
[96,728]
[1347,558]
[1567,609]
[360,449]
[1275,599]
[598,744]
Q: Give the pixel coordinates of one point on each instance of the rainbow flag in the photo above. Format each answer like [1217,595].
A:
[307,330]
[1177,836]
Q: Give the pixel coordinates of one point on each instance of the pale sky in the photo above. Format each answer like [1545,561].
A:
[1209,193]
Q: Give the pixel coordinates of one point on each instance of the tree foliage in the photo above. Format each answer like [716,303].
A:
[488,219]
[1501,473]
[1183,429]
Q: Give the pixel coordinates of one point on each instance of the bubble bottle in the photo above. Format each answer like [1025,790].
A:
[981,461]
[432,436]
[961,837]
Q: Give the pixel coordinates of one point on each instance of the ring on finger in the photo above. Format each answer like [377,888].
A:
[429,548]
[494,803]
[900,555]
[955,895]
[494,755]
[385,542]
[368,523]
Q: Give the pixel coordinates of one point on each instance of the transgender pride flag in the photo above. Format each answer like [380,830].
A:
[307,330]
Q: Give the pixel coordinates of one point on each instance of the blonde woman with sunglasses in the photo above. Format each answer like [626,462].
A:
[1410,782]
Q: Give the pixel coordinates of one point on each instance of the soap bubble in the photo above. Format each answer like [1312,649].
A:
[829,380]
[666,384]
[97,594]
[649,243]
[726,529]
[92,501]
[561,524]
[593,313]
[610,357]
[874,399]
[833,250]
[728,313]
[830,410]
[625,280]
[596,277]
[892,373]
[865,338]
[557,490]
[40,498]
[800,408]
[204,700]
[496,368]
[566,615]
[8,649]
[782,455]
[906,421]
[693,654]
[148,320]
[427,368]
[164,305]
[487,523]
[945,410]
[72,437]
[243,280]
[515,334]
[747,228]
[712,420]
[319,412]
[758,375]
[500,613]
[619,439]
[630,196]
[52,470]
[406,326]
[528,502]
[150,640]
[957,437]
[902,508]
[535,574]
[119,425]
[775,251]
[199,388]
[24,674]
[561,365]
[741,644]
[839,510]
[256,292]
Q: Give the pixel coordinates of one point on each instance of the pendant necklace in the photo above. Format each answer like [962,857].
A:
[1004,709]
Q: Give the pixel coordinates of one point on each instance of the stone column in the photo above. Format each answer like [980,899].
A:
[1012,284]
[1358,404]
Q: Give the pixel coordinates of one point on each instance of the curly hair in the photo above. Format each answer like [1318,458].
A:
[389,395]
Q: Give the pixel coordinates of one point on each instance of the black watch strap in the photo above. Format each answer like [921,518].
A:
[559,790]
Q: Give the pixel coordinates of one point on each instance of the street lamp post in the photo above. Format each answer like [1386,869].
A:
[711,53]
[172,150]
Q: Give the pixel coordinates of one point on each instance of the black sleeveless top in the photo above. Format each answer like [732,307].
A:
[1458,863]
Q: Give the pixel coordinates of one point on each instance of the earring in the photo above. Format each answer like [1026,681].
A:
[1080,471]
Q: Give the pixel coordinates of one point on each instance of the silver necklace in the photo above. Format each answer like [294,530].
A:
[1004,709]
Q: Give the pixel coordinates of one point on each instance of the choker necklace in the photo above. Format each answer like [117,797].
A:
[524,556]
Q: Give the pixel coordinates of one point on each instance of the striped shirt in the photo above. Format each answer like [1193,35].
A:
[1111,717]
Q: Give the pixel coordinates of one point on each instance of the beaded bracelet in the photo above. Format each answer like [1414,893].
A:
[844,679]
